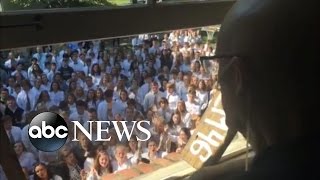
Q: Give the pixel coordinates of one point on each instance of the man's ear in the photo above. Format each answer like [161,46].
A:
[238,75]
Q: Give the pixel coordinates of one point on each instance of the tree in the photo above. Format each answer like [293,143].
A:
[45,4]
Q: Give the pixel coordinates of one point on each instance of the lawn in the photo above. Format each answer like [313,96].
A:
[120,2]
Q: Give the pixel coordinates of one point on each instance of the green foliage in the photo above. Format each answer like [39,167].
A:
[45,4]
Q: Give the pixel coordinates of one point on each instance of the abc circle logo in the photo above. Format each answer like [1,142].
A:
[48,131]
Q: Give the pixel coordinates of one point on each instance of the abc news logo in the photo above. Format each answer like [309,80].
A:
[49,132]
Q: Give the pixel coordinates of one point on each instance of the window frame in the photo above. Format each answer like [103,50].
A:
[27,28]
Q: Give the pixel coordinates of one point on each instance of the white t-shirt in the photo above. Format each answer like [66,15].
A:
[27,160]
[117,167]
[159,154]
[16,133]
[193,108]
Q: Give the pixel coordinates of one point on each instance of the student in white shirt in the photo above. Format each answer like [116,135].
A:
[164,109]
[11,63]
[79,77]
[137,108]
[20,70]
[99,96]
[44,102]
[26,159]
[175,125]
[13,132]
[172,96]
[177,60]
[203,73]
[47,67]
[118,88]
[89,84]
[94,125]
[4,94]
[104,82]
[183,138]
[106,109]
[87,66]
[134,151]
[70,163]
[133,90]
[210,51]
[144,89]
[25,135]
[121,161]
[48,157]
[183,88]
[80,94]
[192,105]
[203,95]
[36,73]
[10,86]
[152,99]
[185,115]
[76,63]
[126,64]
[101,167]
[154,48]
[53,70]
[41,171]
[81,114]
[96,74]
[174,78]
[56,94]
[41,56]
[71,102]
[185,66]
[194,81]
[18,78]
[89,162]
[136,41]
[121,103]
[60,54]
[91,99]
[153,152]
[115,73]
[45,82]
[27,98]
[38,87]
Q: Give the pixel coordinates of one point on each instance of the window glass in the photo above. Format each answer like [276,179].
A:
[88,68]
[14,5]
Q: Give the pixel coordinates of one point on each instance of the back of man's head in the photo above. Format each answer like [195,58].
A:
[276,43]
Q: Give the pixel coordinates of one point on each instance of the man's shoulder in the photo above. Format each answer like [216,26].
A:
[162,94]
[145,85]
[20,94]
[149,94]
[292,160]
[102,104]
[74,114]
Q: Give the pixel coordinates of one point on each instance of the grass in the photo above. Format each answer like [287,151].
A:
[120,2]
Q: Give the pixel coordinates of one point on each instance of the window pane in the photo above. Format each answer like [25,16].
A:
[186,45]
[14,5]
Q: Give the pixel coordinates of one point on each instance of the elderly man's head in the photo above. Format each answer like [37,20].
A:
[267,69]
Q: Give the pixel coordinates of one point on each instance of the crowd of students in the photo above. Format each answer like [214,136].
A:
[158,78]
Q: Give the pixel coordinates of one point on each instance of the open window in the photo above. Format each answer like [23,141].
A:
[22,29]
